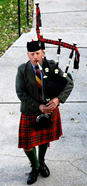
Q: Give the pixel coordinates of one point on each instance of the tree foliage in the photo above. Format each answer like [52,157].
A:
[9,21]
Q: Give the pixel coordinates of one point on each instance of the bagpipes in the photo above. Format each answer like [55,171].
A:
[55,84]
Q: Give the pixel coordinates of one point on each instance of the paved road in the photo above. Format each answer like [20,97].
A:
[66,158]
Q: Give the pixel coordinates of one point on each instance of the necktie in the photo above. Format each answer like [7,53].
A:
[39,83]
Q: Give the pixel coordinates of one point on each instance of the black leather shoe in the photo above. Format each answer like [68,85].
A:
[44,170]
[33,176]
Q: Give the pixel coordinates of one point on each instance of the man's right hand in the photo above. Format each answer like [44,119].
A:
[45,109]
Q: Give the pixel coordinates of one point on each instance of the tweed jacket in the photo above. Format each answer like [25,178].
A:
[27,90]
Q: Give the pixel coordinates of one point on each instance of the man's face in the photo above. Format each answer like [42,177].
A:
[35,57]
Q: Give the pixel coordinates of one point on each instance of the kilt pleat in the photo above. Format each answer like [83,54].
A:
[29,138]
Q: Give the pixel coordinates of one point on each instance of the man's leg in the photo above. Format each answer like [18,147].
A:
[43,168]
[32,156]
[42,152]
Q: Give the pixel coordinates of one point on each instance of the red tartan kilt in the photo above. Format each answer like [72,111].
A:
[29,138]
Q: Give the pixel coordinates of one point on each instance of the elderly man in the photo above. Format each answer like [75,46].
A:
[33,103]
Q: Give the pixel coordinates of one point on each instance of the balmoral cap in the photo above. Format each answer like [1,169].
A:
[34,46]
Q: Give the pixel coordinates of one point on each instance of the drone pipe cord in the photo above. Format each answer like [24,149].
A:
[54,42]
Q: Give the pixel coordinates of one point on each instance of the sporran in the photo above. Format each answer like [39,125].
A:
[42,121]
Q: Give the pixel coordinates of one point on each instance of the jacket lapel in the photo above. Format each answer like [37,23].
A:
[32,80]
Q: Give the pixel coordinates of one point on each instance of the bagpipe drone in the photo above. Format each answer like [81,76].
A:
[54,85]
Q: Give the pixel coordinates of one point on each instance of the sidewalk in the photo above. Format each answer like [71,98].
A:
[66,158]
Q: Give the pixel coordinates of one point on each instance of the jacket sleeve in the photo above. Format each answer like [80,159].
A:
[67,89]
[25,98]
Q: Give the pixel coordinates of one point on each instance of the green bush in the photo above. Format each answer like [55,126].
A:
[9,21]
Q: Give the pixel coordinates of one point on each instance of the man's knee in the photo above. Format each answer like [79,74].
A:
[30,149]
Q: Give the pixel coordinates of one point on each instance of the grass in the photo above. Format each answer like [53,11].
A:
[9,21]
